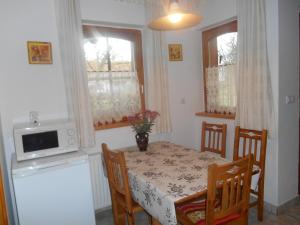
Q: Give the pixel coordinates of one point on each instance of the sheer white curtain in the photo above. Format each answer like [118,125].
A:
[114,95]
[112,69]
[221,89]
[255,100]
[71,48]
[157,73]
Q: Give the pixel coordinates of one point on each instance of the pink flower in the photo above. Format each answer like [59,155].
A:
[153,115]
[142,122]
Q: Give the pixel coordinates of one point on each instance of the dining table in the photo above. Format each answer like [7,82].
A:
[165,174]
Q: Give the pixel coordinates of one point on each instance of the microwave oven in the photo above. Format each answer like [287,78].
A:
[45,139]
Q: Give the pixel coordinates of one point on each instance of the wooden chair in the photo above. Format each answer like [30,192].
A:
[253,141]
[216,141]
[228,192]
[122,202]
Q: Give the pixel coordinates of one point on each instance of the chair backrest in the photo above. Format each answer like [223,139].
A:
[251,141]
[214,138]
[228,190]
[117,174]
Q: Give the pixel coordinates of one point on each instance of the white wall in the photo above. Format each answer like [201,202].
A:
[271,176]
[272,152]
[25,87]
[288,85]
[216,11]
[112,11]
[184,84]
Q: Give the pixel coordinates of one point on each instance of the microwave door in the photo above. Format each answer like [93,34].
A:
[40,141]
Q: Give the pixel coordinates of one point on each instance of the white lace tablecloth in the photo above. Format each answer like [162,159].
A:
[166,173]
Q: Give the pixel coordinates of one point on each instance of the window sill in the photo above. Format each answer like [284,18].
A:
[216,115]
[112,125]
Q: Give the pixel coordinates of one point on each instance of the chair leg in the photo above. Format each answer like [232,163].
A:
[130,218]
[260,208]
[260,204]
[121,216]
[119,213]
[245,222]
[115,208]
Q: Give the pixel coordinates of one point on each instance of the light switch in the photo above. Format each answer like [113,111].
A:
[290,99]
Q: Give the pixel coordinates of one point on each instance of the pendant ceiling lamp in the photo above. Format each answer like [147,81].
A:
[176,18]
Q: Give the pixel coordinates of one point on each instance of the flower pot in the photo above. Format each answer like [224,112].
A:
[142,141]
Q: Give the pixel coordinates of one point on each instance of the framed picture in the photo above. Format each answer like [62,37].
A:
[39,52]
[175,52]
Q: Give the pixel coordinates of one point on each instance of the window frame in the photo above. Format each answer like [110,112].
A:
[135,36]
[207,35]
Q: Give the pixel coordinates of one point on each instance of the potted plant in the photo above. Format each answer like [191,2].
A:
[142,124]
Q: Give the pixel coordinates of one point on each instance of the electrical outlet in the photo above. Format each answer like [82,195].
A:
[34,117]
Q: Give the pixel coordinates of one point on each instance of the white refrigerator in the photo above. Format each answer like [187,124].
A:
[54,190]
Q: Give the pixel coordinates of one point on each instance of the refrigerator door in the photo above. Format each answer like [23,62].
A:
[59,195]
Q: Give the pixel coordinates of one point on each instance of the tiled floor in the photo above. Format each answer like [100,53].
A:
[290,217]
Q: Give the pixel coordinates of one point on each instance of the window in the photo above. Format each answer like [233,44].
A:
[114,66]
[219,63]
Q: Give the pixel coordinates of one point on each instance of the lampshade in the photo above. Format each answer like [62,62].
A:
[176,18]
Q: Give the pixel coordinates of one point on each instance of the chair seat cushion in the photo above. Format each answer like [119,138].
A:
[222,221]
[195,212]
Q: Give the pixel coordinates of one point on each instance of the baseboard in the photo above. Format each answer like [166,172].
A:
[282,208]
[277,210]
[102,209]
[271,208]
